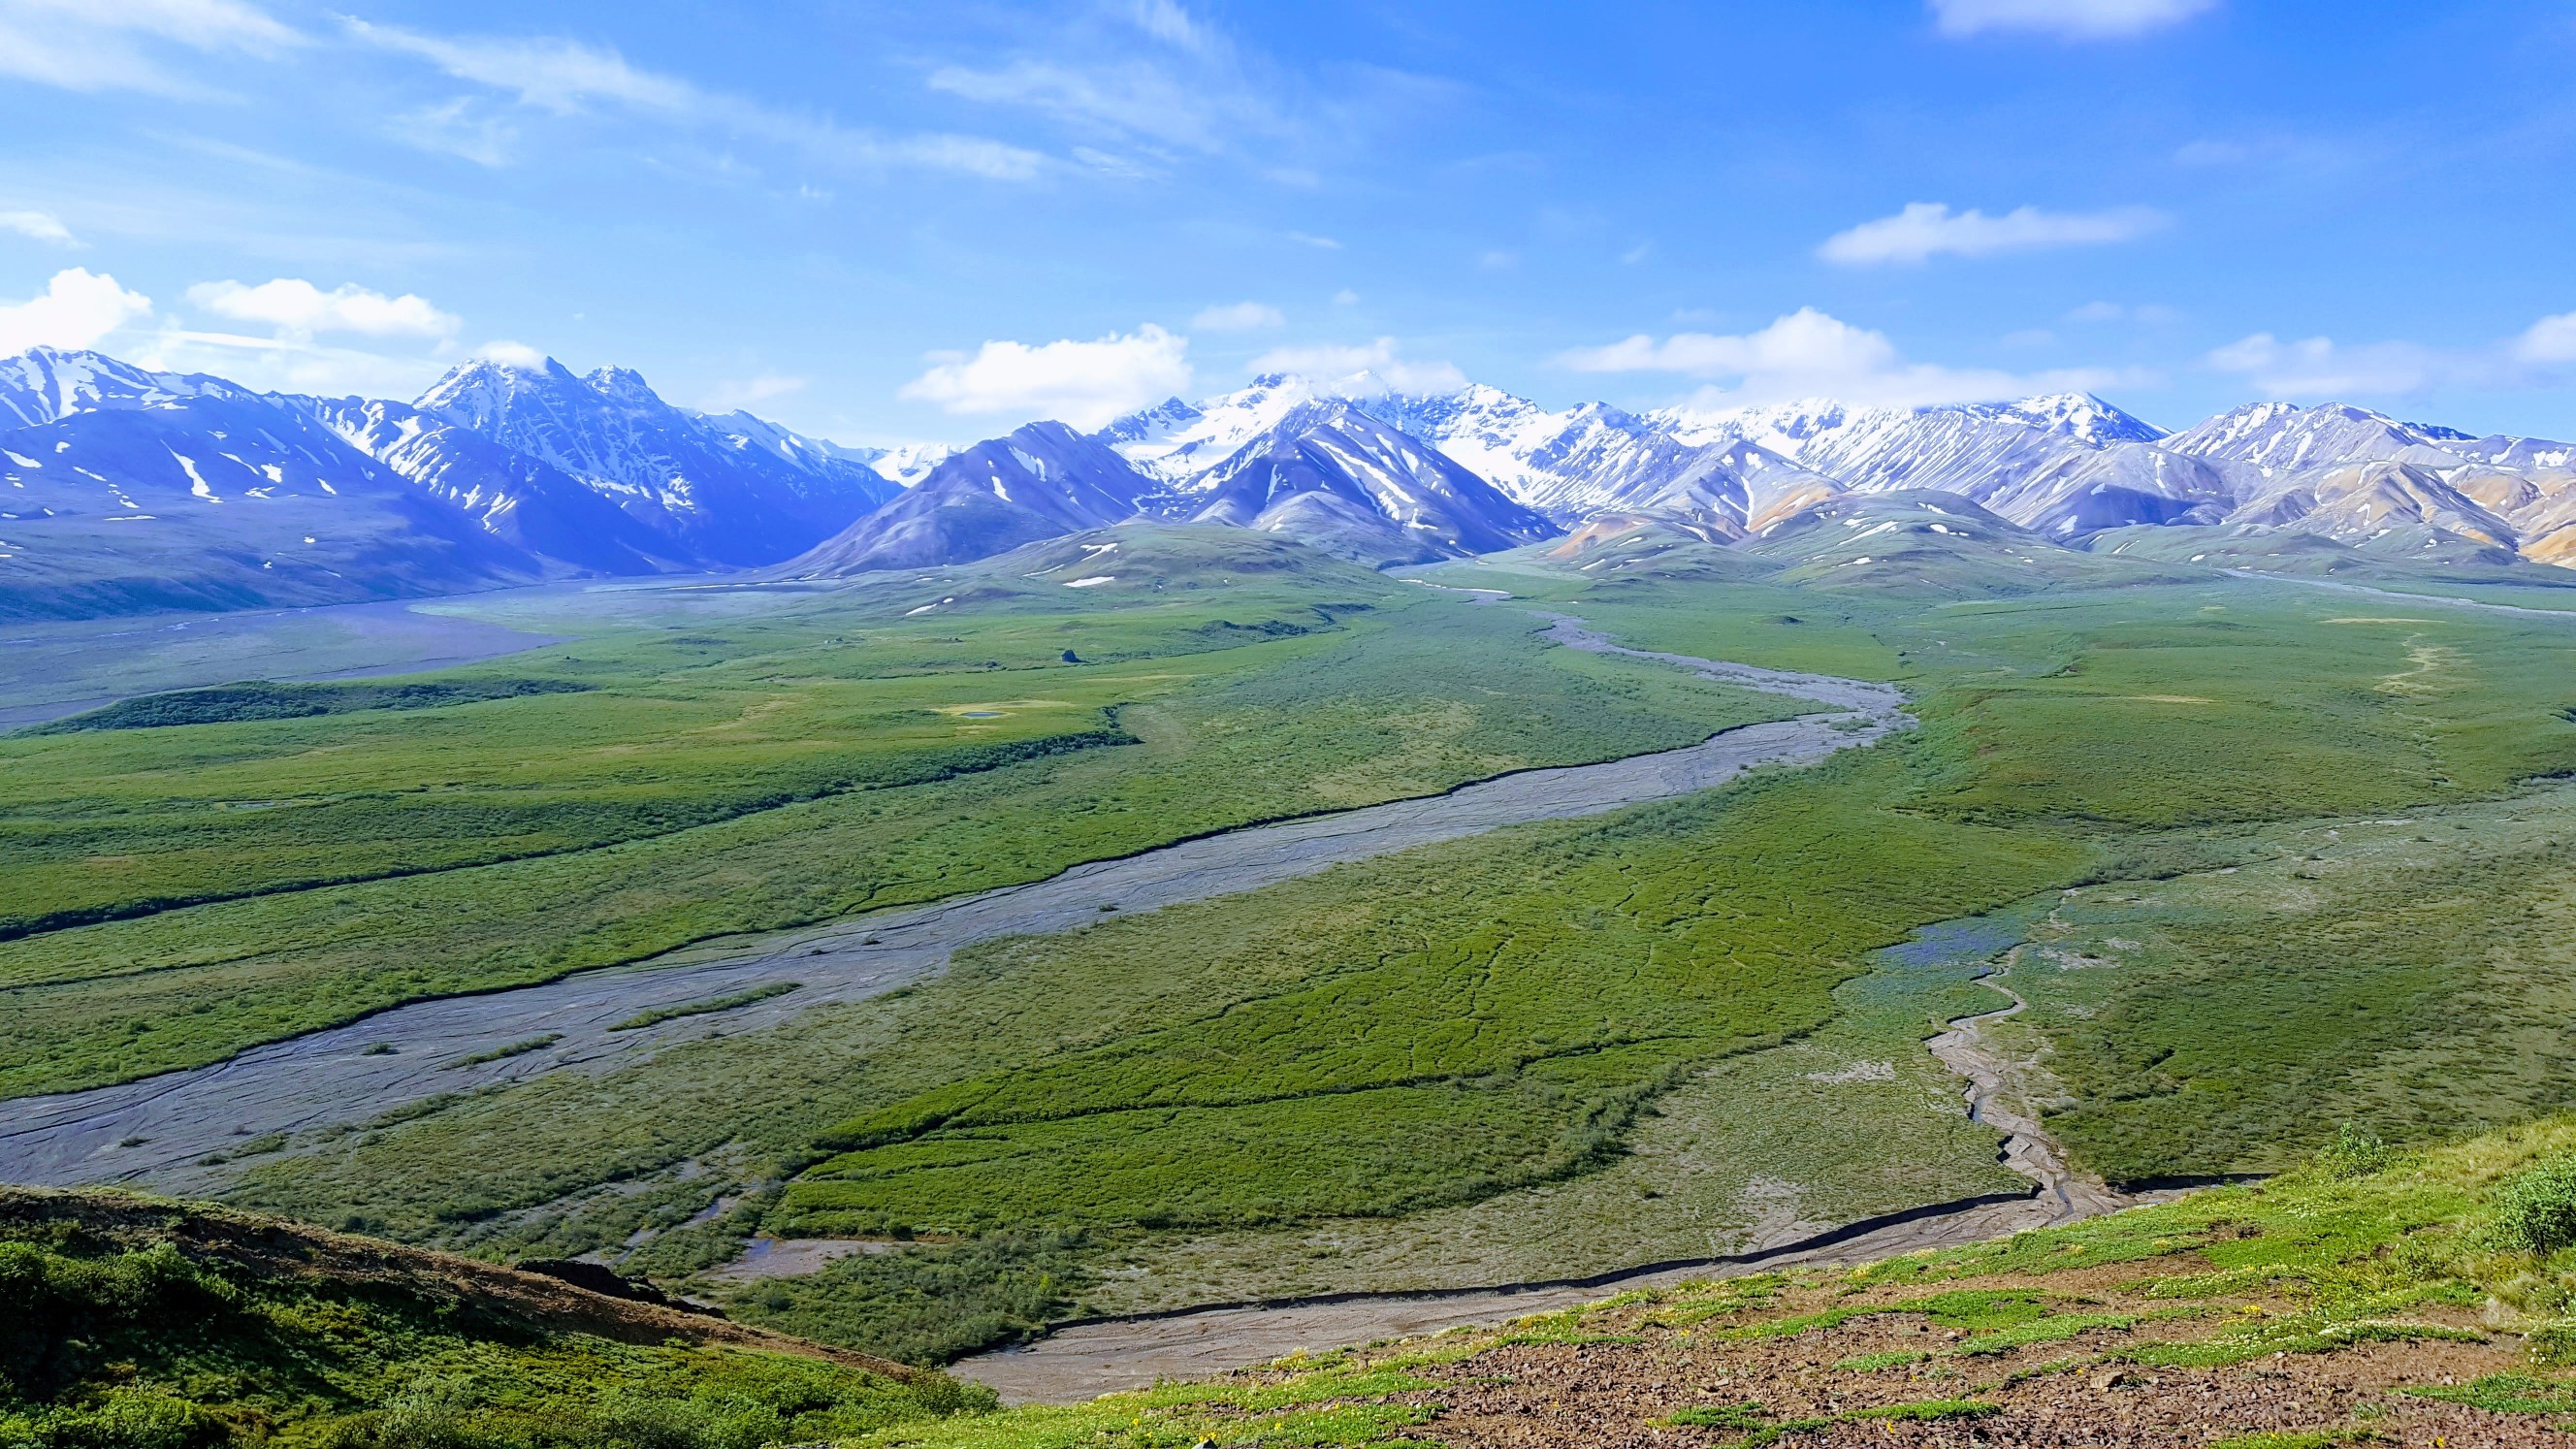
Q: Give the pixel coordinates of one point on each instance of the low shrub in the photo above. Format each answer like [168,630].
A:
[2536,1212]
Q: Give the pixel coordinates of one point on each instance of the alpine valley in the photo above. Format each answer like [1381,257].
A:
[536,918]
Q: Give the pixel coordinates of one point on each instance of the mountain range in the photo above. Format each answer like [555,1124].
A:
[128,489]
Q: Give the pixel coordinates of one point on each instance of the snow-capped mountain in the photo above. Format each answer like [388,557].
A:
[122,487]
[1340,479]
[1980,451]
[47,384]
[524,500]
[2086,491]
[1043,481]
[1175,442]
[1564,464]
[2359,501]
[300,500]
[222,500]
[2360,476]
[730,497]
[2267,440]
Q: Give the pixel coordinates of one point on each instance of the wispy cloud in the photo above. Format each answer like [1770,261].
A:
[99,45]
[2320,367]
[1084,384]
[566,77]
[1811,354]
[1927,229]
[41,226]
[1162,85]
[725,397]
[1238,317]
[2151,314]
[2066,19]
[1352,367]
[287,364]
[1193,89]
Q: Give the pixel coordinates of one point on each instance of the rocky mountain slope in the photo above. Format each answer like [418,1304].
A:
[1041,482]
[730,497]
[503,473]
[125,489]
[211,498]
[1333,476]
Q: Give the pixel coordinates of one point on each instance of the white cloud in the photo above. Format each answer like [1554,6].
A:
[41,226]
[513,354]
[2321,367]
[566,77]
[299,309]
[2152,314]
[1084,384]
[1346,298]
[1341,367]
[95,45]
[287,364]
[2551,339]
[1238,317]
[75,310]
[1926,229]
[2066,19]
[725,397]
[1320,243]
[1811,354]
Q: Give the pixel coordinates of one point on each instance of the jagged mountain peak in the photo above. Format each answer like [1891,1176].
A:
[47,384]
[1040,481]
[623,384]
[1331,473]
[2083,416]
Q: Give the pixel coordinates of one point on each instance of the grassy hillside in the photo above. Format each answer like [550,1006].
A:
[2369,1298]
[158,1325]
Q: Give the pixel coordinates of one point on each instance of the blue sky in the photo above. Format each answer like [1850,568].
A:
[888,223]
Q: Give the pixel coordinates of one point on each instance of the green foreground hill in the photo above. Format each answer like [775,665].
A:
[145,1324]
[2370,1296]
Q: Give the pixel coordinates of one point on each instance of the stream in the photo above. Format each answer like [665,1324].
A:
[1084,1360]
[154,1131]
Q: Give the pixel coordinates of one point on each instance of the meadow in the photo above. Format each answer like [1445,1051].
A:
[1651,1032]
[2414,974]
[738,774]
